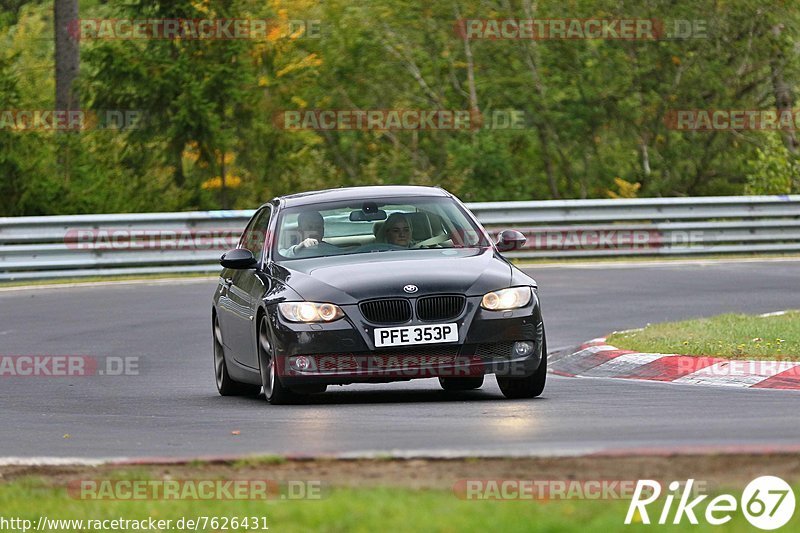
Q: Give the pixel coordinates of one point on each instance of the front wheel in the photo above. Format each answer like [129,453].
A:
[274,391]
[527,387]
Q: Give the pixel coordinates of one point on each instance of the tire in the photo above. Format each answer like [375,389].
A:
[527,387]
[460,384]
[274,391]
[226,386]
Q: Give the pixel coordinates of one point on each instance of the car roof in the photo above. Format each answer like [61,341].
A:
[357,193]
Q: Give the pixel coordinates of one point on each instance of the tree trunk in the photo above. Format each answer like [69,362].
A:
[67,54]
[65,15]
[784,98]
[547,137]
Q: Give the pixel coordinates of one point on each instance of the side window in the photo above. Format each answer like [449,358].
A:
[255,235]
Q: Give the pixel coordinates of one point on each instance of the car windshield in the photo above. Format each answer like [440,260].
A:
[374,225]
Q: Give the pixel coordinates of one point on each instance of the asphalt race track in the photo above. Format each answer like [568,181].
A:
[171,408]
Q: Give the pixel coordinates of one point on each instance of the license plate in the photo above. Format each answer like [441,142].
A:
[408,335]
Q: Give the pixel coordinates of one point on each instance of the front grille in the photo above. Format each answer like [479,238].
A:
[411,357]
[495,350]
[445,350]
[388,311]
[443,307]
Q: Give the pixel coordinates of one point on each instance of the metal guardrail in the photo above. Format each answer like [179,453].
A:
[91,245]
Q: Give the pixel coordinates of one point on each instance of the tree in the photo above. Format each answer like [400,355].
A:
[67,54]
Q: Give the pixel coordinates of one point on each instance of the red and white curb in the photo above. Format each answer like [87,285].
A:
[596,359]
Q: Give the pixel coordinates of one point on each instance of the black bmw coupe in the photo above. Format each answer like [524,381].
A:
[372,285]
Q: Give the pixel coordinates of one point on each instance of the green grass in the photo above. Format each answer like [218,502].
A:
[363,509]
[732,336]
[259,460]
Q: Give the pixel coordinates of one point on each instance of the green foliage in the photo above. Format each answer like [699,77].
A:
[10,165]
[774,170]
[363,507]
[594,111]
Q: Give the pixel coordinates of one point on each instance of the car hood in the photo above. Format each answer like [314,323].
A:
[352,278]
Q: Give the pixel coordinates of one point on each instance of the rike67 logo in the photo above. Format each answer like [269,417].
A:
[767,503]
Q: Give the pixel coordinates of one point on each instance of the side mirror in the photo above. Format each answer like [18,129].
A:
[238,259]
[509,240]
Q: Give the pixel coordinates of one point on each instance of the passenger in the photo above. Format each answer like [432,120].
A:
[396,230]
[311,226]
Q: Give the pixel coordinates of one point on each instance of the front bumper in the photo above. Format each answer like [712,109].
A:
[344,352]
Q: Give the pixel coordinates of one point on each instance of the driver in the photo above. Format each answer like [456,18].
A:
[396,231]
[311,226]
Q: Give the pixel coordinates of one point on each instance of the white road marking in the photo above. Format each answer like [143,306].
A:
[576,451]
[601,348]
[624,364]
[737,373]
[52,461]
[776,313]
[368,454]
[587,351]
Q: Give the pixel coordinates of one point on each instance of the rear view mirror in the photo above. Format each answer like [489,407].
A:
[510,240]
[367,216]
[238,259]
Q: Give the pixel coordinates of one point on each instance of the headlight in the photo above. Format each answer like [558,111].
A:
[309,312]
[511,298]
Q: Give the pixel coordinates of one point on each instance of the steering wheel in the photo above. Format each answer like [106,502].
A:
[433,241]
